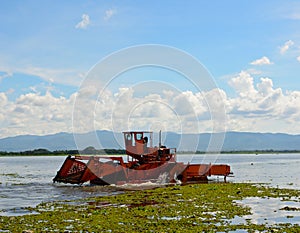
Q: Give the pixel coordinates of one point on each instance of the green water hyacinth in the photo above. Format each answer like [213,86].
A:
[191,208]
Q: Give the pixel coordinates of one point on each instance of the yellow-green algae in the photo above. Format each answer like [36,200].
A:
[190,208]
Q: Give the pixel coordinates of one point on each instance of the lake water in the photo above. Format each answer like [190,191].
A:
[27,181]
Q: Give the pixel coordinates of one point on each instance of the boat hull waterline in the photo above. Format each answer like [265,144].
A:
[144,163]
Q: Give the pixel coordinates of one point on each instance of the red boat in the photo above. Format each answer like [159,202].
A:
[144,163]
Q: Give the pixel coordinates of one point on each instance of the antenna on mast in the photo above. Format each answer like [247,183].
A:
[159,139]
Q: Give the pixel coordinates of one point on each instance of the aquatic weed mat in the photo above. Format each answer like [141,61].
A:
[190,208]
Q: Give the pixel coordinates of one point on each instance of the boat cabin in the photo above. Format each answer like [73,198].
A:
[139,146]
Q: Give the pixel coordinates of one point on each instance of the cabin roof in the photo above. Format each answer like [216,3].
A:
[137,132]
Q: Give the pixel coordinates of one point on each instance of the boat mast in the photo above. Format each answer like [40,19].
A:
[159,145]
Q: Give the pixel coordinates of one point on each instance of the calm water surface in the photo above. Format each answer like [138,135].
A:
[27,181]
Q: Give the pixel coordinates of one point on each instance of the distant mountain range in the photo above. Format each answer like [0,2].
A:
[234,141]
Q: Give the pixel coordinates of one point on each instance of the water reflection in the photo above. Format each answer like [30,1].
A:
[270,211]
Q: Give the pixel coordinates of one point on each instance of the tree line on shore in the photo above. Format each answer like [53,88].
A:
[92,151]
[87,151]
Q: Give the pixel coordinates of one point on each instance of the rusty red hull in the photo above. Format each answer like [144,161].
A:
[144,163]
[81,169]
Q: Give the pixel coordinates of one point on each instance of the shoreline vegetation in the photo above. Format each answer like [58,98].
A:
[212,207]
[92,151]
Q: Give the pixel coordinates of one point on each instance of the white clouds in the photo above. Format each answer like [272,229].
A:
[284,48]
[243,84]
[84,22]
[262,61]
[61,76]
[265,86]
[85,18]
[3,99]
[291,50]
[290,45]
[257,107]
[109,13]
[182,103]
[35,114]
[262,108]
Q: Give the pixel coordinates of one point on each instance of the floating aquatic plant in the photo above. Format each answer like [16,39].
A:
[191,208]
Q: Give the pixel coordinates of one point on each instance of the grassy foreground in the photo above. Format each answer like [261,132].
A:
[191,208]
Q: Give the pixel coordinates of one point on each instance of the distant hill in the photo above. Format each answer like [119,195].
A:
[234,141]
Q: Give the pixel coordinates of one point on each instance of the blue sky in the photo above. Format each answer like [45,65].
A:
[47,47]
